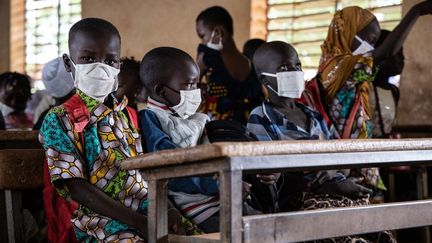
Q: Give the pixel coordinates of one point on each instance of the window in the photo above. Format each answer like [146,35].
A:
[304,23]
[47,24]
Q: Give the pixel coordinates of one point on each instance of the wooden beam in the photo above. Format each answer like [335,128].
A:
[328,223]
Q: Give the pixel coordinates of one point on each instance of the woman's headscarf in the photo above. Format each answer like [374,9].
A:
[337,61]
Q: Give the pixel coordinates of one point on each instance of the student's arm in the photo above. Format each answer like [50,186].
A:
[396,38]
[93,198]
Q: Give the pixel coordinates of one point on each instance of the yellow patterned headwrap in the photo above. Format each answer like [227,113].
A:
[337,61]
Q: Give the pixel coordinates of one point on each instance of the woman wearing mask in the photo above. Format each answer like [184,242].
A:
[348,65]
[231,88]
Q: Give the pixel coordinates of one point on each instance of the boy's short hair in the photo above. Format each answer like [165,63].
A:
[93,25]
[261,54]
[216,15]
[159,64]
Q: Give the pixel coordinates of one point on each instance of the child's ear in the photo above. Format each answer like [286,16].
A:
[67,63]
[263,79]
[219,31]
[159,91]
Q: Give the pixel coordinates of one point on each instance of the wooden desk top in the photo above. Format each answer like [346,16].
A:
[19,139]
[240,149]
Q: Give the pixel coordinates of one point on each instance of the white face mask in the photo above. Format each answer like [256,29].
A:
[5,109]
[363,48]
[190,100]
[290,84]
[96,80]
[218,46]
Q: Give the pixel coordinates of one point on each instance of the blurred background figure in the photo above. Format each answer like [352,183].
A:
[59,87]
[14,95]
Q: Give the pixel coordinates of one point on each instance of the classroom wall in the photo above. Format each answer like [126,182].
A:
[145,24]
[5,35]
[416,81]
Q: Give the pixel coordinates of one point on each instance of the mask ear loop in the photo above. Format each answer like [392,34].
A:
[169,103]
[267,85]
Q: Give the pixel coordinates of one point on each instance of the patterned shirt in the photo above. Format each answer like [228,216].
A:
[269,124]
[108,139]
[341,106]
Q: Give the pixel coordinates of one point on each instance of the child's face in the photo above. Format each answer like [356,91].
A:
[184,78]
[370,34]
[89,47]
[129,84]
[279,61]
[15,96]
[203,32]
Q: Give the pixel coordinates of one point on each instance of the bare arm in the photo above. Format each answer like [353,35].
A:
[93,198]
[397,37]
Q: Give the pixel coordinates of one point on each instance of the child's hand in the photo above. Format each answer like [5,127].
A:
[246,190]
[174,222]
[423,8]
[348,188]
[268,179]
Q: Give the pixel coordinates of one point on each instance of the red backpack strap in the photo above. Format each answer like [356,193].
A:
[133,116]
[78,112]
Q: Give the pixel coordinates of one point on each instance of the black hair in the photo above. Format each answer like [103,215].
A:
[266,48]
[129,63]
[159,64]
[216,15]
[251,46]
[22,80]
[18,80]
[93,25]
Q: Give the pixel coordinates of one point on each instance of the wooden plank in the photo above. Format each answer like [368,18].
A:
[157,210]
[231,206]
[21,168]
[14,216]
[297,162]
[19,140]
[327,223]
[242,149]
[205,238]
[198,169]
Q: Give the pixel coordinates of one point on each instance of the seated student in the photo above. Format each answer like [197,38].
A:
[58,84]
[170,121]
[281,117]
[87,137]
[129,81]
[14,95]
[230,88]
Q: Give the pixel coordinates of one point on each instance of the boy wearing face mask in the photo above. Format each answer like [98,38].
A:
[170,121]
[88,136]
[282,117]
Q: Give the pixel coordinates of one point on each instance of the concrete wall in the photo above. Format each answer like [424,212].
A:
[145,24]
[416,81]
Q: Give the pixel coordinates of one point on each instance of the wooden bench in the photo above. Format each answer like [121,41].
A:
[21,167]
[229,160]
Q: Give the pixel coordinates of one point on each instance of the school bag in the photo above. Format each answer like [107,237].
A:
[263,197]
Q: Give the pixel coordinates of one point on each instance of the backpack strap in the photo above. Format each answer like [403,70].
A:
[78,114]
[133,116]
